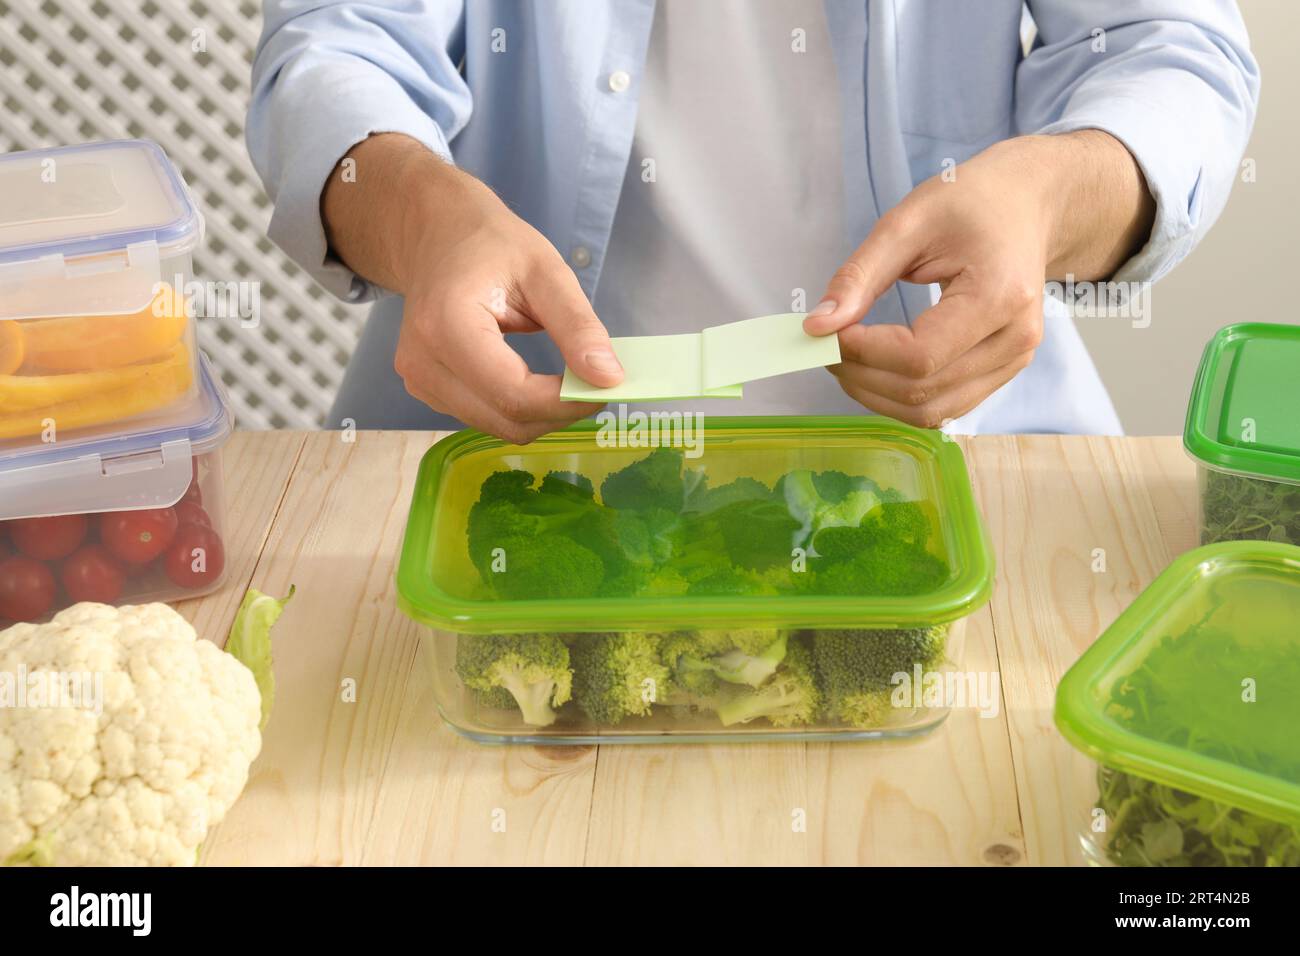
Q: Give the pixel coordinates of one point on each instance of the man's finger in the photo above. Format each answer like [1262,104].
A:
[485,365]
[999,349]
[558,305]
[942,408]
[440,388]
[940,335]
[884,257]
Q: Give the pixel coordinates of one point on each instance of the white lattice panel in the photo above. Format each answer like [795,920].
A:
[78,70]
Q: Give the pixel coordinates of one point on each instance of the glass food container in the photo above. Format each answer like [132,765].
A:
[1243,431]
[1189,704]
[95,246]
[775,578]
[118,517]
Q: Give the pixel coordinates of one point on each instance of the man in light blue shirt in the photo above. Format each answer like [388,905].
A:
[575,168]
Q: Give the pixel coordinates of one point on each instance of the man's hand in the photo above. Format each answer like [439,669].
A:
[1020,212]
[471,271]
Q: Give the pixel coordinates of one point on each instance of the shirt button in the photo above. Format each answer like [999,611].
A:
[580,257]
[619,81]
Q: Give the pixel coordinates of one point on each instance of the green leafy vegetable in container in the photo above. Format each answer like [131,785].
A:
[1149,824]
[1238,507]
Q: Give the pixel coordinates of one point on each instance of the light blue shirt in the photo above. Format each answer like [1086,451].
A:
[548,123]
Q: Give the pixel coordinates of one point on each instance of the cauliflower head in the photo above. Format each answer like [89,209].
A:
[141,781]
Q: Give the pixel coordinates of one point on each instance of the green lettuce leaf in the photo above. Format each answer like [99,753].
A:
[250,641]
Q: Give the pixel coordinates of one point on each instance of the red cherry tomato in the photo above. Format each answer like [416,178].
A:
[194,492]
[191,512]
[137,537]
[26,589]
[195,558]
[48,539]
[92,574]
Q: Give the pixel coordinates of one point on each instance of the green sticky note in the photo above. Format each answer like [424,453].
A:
[657,368]
[714,363]
[763,347]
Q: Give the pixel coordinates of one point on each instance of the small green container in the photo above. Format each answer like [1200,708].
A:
[673,593]
[1190,704]
[1243,430]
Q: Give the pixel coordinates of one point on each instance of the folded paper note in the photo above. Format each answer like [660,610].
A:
[714,363]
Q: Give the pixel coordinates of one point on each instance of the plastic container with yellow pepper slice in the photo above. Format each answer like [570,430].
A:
[95,245]
[111,422]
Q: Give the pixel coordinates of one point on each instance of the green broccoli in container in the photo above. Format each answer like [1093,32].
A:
[619,674]
[746,656]
[790,698]
[855,668]
[826,499]
[651,482]
[533,669]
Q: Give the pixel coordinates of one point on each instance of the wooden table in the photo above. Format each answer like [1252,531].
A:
[1079,526]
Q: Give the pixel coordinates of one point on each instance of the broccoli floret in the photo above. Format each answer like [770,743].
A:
[704,498]
[652,482]
[855,668]
[731,581]
[734,657]
[509,508]
[790,698]
[498,698]
[756,534]
[893,521]
[550,566]
[887,567]
[616,675]
[851,499]
[506,486]
[567,484]
[533,668]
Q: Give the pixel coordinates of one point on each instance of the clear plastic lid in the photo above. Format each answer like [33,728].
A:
[83,229]
[112,468]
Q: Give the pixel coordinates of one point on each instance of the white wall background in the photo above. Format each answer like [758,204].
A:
[77,70]
[1242,272]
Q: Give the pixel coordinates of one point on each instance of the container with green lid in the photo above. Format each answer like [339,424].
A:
[745,578]
[1243,430]
[1190,704]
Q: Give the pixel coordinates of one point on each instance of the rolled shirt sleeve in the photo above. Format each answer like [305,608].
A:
[1174,81]
[328,75]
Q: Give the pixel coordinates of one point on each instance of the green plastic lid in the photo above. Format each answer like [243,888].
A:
[749,478]
[1242,415]
[1197,684]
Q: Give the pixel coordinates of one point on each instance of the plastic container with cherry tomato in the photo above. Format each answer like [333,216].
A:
[124,518]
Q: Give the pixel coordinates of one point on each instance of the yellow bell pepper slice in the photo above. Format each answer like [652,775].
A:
[12,346]
[115,395]
[86,343]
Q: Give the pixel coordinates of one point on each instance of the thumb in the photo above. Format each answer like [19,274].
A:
[884,257]
[558,305]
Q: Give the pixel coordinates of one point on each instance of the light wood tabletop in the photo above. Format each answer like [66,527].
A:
[357,767]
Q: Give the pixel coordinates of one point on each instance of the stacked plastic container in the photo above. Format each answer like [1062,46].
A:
[1243,432]
[111,422]
[778,578]
[1189,704]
